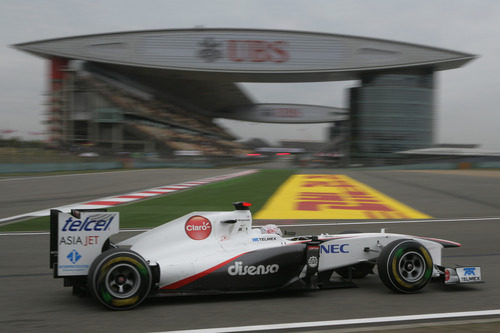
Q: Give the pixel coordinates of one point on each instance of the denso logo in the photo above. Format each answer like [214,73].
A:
[238,269]
[198,227]
[334,248]
[91,223]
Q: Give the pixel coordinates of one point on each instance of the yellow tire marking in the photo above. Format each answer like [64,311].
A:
[118,259]
[127,301]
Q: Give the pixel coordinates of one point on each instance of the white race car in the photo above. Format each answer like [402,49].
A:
[220,252]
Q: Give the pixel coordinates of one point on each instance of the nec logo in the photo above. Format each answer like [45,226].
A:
[334,248]
[91,223]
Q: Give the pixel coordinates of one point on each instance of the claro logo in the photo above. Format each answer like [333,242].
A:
[198,227]
[238,269]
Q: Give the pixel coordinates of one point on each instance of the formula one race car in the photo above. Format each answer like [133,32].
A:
[220,252]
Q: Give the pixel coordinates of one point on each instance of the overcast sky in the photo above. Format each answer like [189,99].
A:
[466,98]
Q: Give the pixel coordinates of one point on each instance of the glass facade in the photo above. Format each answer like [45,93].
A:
[391,113]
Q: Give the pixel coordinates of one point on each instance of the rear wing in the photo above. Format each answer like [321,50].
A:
[76,239]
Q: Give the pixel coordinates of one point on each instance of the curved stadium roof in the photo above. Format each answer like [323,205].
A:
[207,62]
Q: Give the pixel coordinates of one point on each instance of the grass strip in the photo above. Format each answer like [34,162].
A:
[255,188]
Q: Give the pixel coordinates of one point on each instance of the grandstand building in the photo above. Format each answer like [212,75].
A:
[161,90]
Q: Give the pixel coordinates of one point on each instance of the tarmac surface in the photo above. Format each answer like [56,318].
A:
[23,194]
[465,208]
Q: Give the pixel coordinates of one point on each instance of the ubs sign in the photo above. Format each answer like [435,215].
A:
[241,51]
[235,50]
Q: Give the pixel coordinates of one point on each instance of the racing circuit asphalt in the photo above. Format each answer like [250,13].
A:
[20,195]
[465,206]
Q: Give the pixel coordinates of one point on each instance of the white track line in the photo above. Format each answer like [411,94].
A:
[133,196]
[65,175]
[343,322]
[38,233]
[468,219]
[34,233]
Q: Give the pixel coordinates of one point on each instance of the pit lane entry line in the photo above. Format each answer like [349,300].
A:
[344,322]
[134,196]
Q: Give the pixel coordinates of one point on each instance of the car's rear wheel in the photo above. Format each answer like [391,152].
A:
[405,266]
[120,279]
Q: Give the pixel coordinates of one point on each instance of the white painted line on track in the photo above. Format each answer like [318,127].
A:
[34,233]
[133,196]
[343,322]
[65,175]
[468,219]
[38,233]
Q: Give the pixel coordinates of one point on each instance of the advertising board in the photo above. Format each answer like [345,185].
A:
[287,113]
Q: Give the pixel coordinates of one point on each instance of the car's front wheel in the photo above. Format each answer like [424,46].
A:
[405,265]
[120,279]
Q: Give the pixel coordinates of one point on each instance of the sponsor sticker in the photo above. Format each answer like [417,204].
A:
[469,274]
[264,239]
[198,227]
[100,222]
[312,261]
[321,196]
[334,248]
[74,256]
[80,240]
[238,269]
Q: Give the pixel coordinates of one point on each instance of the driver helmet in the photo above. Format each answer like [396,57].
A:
[271,229]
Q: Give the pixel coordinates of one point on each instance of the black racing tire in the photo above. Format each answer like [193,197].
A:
[405,266]
[120,279]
